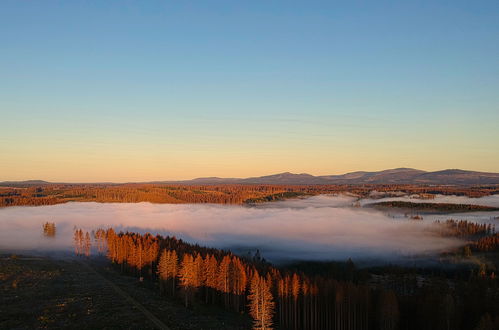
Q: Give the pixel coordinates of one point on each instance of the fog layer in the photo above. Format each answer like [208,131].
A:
[318,228]
[492,200]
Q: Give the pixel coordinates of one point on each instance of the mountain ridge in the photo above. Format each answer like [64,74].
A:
[390,176]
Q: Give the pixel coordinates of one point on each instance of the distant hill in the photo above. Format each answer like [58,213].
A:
[286,178]
[398,175]
[392,176]
[27,183]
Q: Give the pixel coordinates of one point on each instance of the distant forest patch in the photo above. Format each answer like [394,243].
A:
[440,207]
[277,197]
[51,193]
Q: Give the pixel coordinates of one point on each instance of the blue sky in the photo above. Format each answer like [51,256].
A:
[138,90]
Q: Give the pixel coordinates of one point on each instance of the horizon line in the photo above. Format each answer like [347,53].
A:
[233,178]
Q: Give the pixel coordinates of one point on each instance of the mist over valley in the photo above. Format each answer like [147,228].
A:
[323,227]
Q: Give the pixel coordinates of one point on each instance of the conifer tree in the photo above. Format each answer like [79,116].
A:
[167,269]
[211,273]
[88,244]
[261,303]
[173,268]
[223,279]
[163,270]
[187,277]
[295,291]
[76,239]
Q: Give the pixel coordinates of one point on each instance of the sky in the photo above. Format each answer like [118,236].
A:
[158,90]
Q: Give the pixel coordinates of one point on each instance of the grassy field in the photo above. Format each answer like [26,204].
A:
[44,293]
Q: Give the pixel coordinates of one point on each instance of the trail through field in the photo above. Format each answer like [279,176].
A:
[157,322]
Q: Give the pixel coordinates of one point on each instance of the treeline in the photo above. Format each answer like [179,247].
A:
[298,299]
[473,191]
[483,235]
[424,191]
[49,229]
[277,197]
[289,300]
[487,244]
[444,207]
[464,228]
[134,193]
[83,242]
[220,194]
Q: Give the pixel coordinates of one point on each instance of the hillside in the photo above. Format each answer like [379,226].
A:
[391,176]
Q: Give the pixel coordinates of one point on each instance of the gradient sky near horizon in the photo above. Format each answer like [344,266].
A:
[155,90]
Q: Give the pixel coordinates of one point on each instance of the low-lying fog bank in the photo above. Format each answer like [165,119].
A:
[492,200]
[316,228]
[430,216]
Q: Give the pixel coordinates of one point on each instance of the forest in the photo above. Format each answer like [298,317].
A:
[49,194]
[317,295]
[439,207]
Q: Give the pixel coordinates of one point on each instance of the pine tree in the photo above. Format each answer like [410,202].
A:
[76,242]
[173,268]
[88,244]
[112,245]
[261,303]
[223,279]
[238,282]
[187,277]
[199,271]
[163,270]
[211,272]
[295,291]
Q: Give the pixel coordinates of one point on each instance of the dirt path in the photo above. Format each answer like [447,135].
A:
[157,322]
